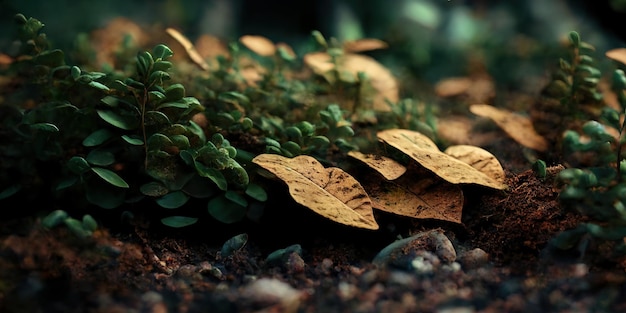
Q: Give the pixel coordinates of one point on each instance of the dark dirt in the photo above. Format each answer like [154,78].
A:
[145,267]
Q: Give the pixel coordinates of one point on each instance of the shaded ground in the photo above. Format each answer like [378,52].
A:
[146,268]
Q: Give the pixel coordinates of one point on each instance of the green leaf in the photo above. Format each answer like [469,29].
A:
[213,174]
[159,141]
[110,177]
[154,189]
[9,191]
[173,200]
[117,120]
[180,104]
[156,118]
[293,133]
[233,97]
[236,198]
[100,157]
[75,72]
[233,244]
[226,211]
[174,92]
[179,221]
[47,127]
[78,165]
[574,38]
[162,52]
[97,137]
[54,219]
[51,58]
[77,228]
[132,141]
[256,192]
[99,86]
[89,223]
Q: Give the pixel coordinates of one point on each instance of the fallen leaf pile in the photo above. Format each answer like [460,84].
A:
[431,189]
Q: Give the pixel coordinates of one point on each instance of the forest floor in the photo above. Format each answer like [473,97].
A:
[499,260]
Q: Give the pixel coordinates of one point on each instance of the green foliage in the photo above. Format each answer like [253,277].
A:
[599,190]
[81,228]
[576,80]
[119,139]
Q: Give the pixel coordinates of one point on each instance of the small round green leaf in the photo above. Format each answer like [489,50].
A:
[233,244]
[117,120]
[99,86]
[154,189]
[236,197]
[100,158]
[78,165]
[179,221]
[89,223]
[256,192]
[173,200]
[97,137]
[54,218]
[132,141]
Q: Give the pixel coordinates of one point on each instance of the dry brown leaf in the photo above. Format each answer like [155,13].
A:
[426,153]
[453,86]
[389,168]
[519,127]
[189,48]
[618,54]
[364,44]
[381,79]
[479,159]
[330,192]
[440,201]
[108,41]
[259,45]
[211,47]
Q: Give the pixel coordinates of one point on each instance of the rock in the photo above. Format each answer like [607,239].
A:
[272,295]
[410,253]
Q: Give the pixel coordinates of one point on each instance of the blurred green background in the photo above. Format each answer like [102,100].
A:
[431,39]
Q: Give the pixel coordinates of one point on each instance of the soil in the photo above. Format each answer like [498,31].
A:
[141,266]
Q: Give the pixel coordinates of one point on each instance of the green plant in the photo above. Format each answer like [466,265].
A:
[571,95]
[125,139]
[81,228]
[599,190]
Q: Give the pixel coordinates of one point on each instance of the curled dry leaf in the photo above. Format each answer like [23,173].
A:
[418,195]
[259,45]
[364,44]
[329,192]
[389,168]
[381,79]
[189,48]
[479,159]
[518,127]
[473,89]
[423,150]
[618,54]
